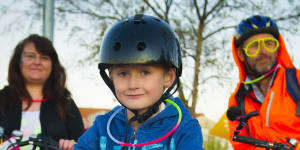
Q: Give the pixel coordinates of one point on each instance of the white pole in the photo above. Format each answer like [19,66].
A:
[48,18]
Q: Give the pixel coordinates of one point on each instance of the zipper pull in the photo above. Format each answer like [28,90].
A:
[134,134]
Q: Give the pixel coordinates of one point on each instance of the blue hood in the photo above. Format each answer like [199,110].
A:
[187,136]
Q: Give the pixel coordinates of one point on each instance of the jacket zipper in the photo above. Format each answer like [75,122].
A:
[134,135]
[134,140]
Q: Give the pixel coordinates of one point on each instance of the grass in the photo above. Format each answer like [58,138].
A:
[213,143]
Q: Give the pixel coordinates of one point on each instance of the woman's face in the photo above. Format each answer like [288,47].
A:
[35,67]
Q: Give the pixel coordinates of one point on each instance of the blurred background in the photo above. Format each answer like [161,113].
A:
[204,29]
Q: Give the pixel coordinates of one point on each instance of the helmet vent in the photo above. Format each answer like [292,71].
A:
[125,21]
[138,18]
[258,18]
[156,19]
[141,46]
[117,46]
[139,21]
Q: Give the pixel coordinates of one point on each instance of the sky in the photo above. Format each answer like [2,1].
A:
[85,83]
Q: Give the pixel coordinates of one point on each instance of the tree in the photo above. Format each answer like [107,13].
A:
[204,29]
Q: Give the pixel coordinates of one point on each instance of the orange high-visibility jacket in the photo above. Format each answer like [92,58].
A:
[277,118]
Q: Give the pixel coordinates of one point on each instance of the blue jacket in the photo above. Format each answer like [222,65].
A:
[187,136]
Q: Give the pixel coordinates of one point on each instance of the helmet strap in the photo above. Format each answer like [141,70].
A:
[141,118]
[108,81]
[152,110]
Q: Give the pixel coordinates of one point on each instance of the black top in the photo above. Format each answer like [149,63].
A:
[51,123]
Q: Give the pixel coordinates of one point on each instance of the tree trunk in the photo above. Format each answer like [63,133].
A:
[197,68]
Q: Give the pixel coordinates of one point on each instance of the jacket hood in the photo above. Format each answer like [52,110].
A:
[283,58]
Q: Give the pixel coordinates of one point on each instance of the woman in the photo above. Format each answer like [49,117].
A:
[36,99]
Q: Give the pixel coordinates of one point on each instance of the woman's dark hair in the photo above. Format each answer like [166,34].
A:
[54,88]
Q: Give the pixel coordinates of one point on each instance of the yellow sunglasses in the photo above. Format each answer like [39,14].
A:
[252,48]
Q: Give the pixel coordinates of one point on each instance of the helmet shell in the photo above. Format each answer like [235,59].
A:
[141,39]
[255,25]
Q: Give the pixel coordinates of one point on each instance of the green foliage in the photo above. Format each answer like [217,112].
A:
[212,143]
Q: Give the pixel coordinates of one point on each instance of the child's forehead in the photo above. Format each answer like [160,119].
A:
[135,65]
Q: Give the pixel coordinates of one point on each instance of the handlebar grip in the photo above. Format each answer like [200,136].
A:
[45,142]
[252,141]
[51,147]
[23,143]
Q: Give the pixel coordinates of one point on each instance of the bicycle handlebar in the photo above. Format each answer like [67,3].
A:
[262,143]
[41,141]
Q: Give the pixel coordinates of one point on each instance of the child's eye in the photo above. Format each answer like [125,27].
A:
[145,72]
[122,74]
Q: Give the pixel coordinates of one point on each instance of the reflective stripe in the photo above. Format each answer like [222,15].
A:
[135,141]
[103,142]
[268,109]
[172,144]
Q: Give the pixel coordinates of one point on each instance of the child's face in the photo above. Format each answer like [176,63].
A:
[140,86]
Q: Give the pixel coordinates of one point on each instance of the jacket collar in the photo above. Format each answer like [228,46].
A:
[168,112]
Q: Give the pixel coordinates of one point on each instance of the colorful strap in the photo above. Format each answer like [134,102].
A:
[261,77]
[36,100]
[150,142]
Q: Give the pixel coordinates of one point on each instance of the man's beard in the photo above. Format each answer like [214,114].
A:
[257,68]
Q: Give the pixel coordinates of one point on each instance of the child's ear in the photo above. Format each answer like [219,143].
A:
[169,77]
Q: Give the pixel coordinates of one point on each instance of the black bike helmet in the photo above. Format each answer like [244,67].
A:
[140,39]
[255,25]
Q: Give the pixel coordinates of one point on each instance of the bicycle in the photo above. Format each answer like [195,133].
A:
[14,142]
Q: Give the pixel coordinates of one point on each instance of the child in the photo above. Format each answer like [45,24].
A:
[142,55]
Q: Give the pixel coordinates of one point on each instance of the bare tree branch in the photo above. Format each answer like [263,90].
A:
[114,8]
[195,21]
[204,11]
[168,4]
[295,16]
[89,13]
[153,9]
[197,10]
[158,6]
[214,77]
[217,31]
[214,8]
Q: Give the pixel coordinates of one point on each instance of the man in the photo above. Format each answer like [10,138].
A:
[263,62]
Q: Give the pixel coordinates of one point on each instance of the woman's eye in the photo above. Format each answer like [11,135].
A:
[45,57]
[30,56]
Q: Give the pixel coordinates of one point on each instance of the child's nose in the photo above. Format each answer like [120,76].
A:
[133,82]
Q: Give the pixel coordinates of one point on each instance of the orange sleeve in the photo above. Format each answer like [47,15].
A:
[298,76]
[232,125]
